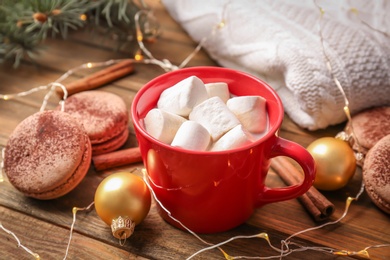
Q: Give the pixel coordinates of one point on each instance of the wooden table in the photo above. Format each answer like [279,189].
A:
[43,226]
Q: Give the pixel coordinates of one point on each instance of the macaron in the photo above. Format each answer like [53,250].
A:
[47,155]
[104,116]
[369,126]
[376,174]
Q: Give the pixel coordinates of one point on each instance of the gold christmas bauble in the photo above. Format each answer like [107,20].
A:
[122,200]
[335,163]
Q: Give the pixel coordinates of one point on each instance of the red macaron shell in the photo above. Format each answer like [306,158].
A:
[104,116]
[47,155]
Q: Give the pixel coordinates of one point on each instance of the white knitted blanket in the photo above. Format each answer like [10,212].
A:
[278,41]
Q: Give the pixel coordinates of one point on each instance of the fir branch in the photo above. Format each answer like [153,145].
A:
[24,24]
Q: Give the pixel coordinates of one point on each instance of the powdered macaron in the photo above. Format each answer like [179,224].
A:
[47,155]
[369,127]
[104,116]
[376,174]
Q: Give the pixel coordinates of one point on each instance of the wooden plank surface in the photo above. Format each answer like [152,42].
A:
[43,226]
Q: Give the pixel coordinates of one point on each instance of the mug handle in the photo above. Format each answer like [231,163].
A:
[283,147]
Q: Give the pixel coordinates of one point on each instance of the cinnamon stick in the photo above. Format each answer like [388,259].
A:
[117,158]
[315,203]
[99,78]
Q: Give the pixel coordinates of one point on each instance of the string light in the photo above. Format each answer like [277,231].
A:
[74,212]
[21,94]
[285,249]
[287,245]
[344,136]
[356,12]
[83,17]
[50,86]
[138,55]
[35,255]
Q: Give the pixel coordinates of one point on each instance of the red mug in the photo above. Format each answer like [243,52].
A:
[215,191]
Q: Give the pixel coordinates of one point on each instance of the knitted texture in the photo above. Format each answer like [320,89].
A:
[279,41]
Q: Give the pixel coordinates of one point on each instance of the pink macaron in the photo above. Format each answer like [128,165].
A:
[47,155]
[104,116]
[376,174]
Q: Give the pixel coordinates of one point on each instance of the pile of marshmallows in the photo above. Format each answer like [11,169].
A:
[205,117]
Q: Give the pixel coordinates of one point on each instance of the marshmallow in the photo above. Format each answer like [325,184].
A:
[236,137]
[183,96]
[218,89]
[251,111]
[162,125]
[192,136]
[215,116]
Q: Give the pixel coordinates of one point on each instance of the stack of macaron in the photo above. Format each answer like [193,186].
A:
[371,128]
[104,117]
[49,153]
